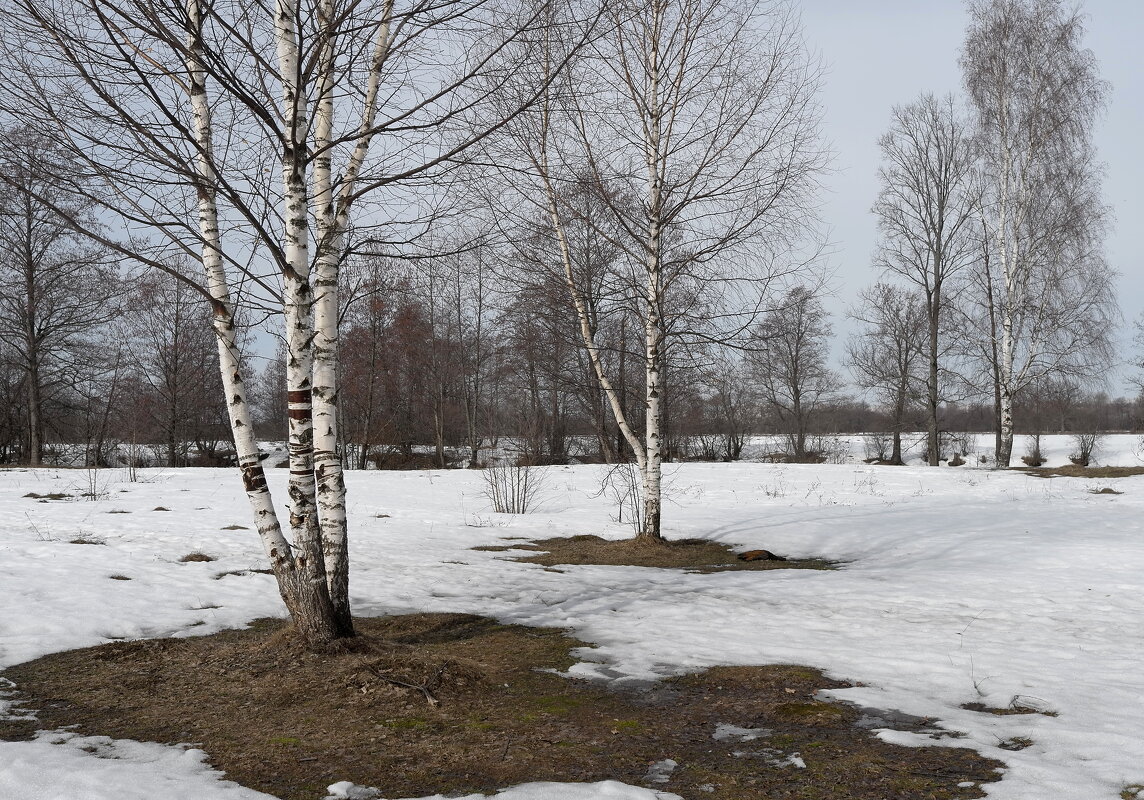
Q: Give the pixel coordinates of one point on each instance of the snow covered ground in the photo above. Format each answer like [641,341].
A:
[961,585]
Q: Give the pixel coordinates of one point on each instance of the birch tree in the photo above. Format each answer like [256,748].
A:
[1036,94]
[926,215]
[695,125]
[245,135]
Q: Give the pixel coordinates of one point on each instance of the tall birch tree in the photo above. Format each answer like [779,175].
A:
[1036,94]
[695,124]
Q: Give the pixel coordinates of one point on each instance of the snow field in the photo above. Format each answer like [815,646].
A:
[959,585]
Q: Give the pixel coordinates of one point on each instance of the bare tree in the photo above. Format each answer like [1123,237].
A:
[732,401]
[926,213]
[695,126]
[1036,94]
[56,288]
[889,354]
[790,364]
[170,344]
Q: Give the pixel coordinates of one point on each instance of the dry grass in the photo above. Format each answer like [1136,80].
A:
[197,556]
[450,703]
[1076,471]
[49,496]
[697,555]
[1015,708]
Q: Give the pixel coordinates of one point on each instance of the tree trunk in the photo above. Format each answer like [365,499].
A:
[35,387]
[1005,384]
[653,424]
[899,421]
[933,443]
[329,477]
[35,417]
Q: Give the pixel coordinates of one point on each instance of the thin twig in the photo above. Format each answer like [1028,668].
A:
[429,698]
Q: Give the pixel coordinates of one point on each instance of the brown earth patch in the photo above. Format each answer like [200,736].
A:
[443,703]
[696,555]
[1075,471]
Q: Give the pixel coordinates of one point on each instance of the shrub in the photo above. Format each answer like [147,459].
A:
[1033,455]
[877,446]
[513,488]
[1086,445]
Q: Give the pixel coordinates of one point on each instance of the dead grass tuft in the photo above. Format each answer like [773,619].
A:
[1077,471]
[453,704]
[1015,708]
[197,556]
[698,555]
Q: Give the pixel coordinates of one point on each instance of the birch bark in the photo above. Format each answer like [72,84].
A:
[306,600]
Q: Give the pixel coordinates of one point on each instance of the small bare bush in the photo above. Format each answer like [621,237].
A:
[1085,447]
[514,488]
[622,484]
[962,444]
[829,449]
[1033,455]
[877,446]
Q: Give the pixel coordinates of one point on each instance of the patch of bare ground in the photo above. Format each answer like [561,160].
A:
[1075,471]
[451,703]
[696,555]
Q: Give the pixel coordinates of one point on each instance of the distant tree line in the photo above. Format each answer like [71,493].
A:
[442,360]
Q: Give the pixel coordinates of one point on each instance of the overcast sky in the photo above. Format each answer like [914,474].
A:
[879,53]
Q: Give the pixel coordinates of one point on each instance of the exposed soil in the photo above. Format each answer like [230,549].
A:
[446,703]
[696,555]
[1075,471]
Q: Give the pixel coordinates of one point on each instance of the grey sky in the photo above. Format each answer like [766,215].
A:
[879,53]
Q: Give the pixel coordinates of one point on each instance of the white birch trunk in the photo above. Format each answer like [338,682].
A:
[331,487]
[298,308]
[579,302]
[333,215]
[587,335]
[1008,255]
[306,606]
[653,322]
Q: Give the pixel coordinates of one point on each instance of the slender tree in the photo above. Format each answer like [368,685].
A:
[171,347]
[926,213]
[57,290]
[888,354]
[790,365]
[695,125]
